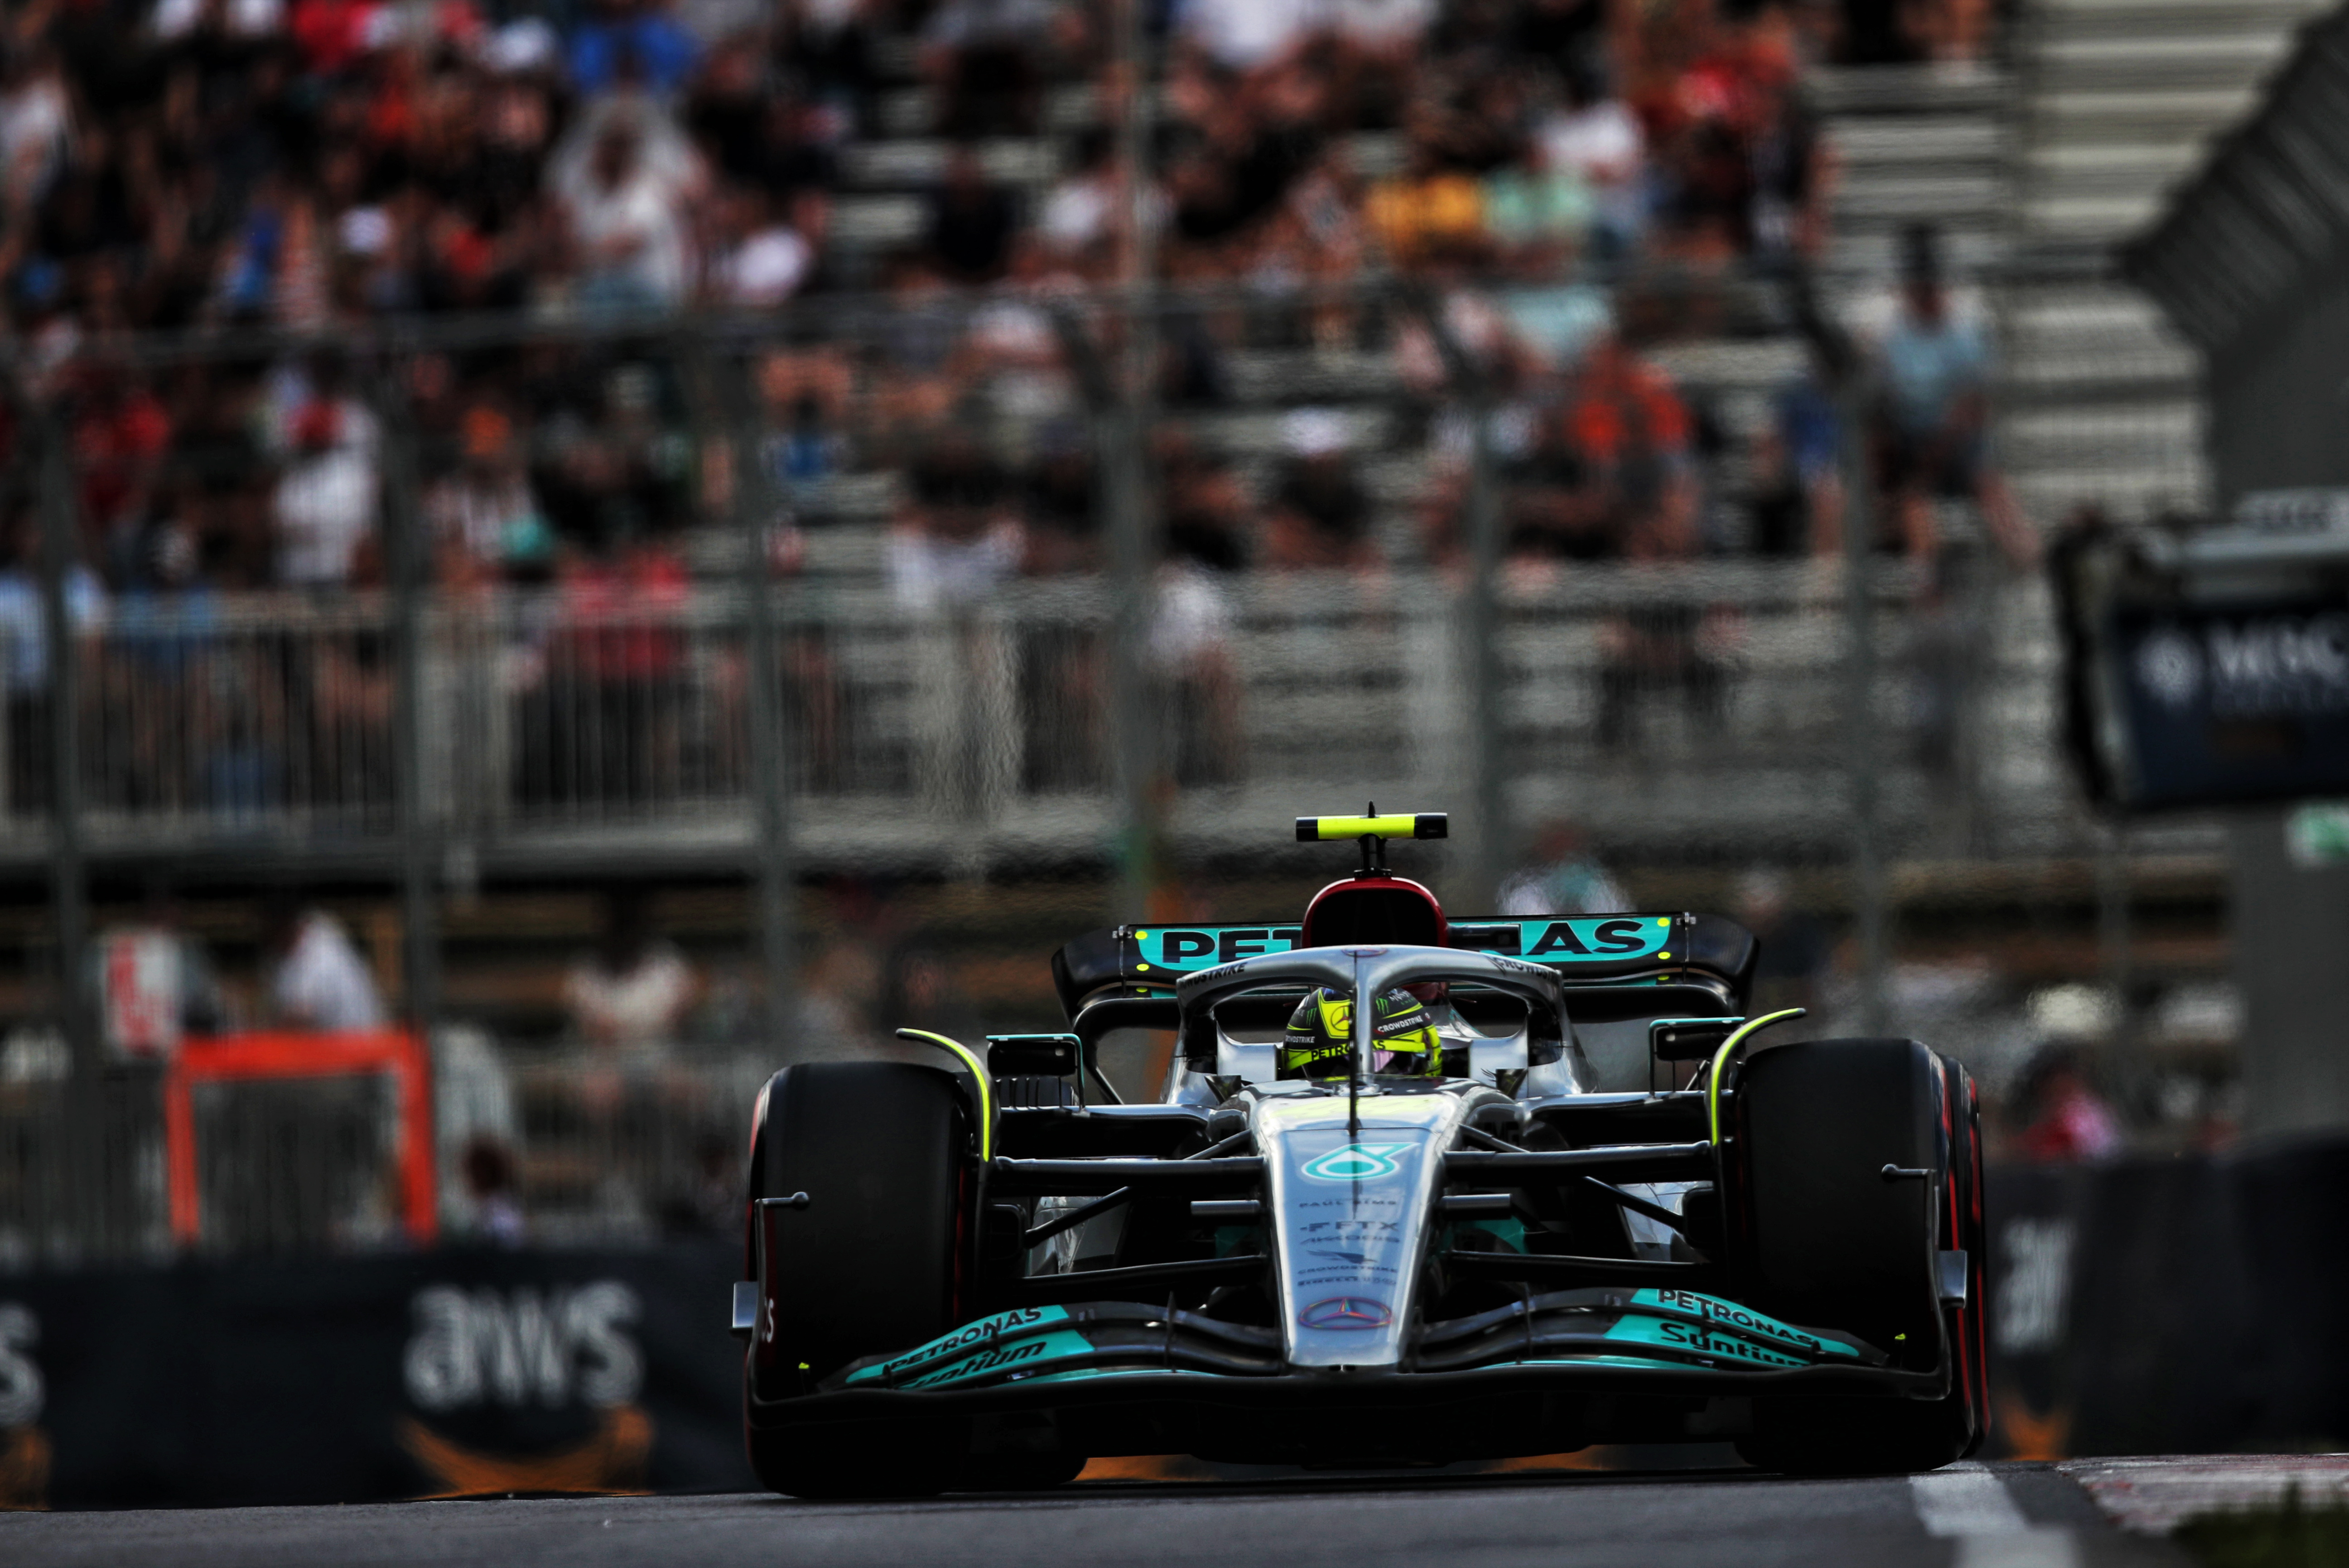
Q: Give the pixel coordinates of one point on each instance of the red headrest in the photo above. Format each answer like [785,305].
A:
[1363,910]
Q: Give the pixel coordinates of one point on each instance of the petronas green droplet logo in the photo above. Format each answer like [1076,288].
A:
[1358,1162]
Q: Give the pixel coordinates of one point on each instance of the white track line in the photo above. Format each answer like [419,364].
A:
[1965,1500]
[1970,1506]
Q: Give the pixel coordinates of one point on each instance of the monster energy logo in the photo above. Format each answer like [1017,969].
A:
[1358,1162]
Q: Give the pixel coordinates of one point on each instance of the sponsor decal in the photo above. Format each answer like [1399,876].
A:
[1582,938]
[994,1356]
[2030,1313]
[23,1391]
[1359,1260]
[1697,1338]
[1358,1162]
[947,1345]
[1730,1314]
[1177,948]
[614,1458]
[2169,667]
[1596,939]
[1345,1313]
[524,1345]
[985,1361]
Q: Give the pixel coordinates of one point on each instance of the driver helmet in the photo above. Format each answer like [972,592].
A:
[1320,1038]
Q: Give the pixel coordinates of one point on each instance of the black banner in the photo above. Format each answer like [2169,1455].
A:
[2247,702]
[2170,1305]
[2137,1307]
[351,1379]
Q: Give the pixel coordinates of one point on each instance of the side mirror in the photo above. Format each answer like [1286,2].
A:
[1689,1039]
[1031,1055]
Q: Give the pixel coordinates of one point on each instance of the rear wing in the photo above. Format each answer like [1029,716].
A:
[1586,949]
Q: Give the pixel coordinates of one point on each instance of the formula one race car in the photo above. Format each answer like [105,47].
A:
[1416,1191]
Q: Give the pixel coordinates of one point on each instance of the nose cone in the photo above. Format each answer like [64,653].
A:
[1350,1206]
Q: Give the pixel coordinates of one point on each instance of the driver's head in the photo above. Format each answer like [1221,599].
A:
[1320,1037]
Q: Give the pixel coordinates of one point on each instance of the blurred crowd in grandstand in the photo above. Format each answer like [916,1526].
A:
[185,164]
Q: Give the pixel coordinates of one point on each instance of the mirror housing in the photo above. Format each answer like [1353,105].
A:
[1031,1055]
[1689,1039]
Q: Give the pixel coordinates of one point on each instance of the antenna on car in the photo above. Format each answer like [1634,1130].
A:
[1372,831]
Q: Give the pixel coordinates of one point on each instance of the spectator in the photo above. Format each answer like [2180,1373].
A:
[120,434]
[1063,510]
[1319,515]
[628,996]
[1243,36]
[153,981]
[315,979]
[955,541]
[1798,472]
[918,990]
[37,124]
[1539,209]
[1080,214]
[1206,509]
[1561,878]
[1431,212]
[1377,43]
[618,671]
[1795,949]
[1554,507]
[984,57]
[633,41]
[759,260]
[1953,32]
[2065,1120]
[972,220]
[828,44]
[1629,425]
[710,1201]
[806,398]
[485,515]
[24,645]
[488,1169]
[625,180]
[326,499]
[1930,436]
[1597,137]
[1190,651]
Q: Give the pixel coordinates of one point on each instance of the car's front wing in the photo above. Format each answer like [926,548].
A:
[1655,1340]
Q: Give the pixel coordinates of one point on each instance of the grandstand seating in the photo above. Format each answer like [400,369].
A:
[2046,149]
[2119,100]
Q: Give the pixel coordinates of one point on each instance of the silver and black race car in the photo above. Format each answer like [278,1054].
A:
[1610,1211]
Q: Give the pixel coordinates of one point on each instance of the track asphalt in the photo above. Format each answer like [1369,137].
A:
[1998,1516]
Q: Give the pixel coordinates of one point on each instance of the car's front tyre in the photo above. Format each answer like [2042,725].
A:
[874,1162]
[1823,1236]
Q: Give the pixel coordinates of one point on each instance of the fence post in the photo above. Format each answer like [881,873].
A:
[1133,735]
[68,868]
[408,554]
[1490,832]
[1859,691]
[84,1180]
[1480,627]
[2123,1069]
[770,816]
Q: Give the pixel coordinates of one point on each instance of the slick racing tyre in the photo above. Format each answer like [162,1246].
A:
[1821,1237]
[1963,1228]
[870,1265]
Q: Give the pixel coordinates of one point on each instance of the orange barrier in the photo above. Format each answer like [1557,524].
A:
[233,1058]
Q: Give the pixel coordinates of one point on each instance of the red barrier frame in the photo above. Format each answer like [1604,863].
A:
[236,1058]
